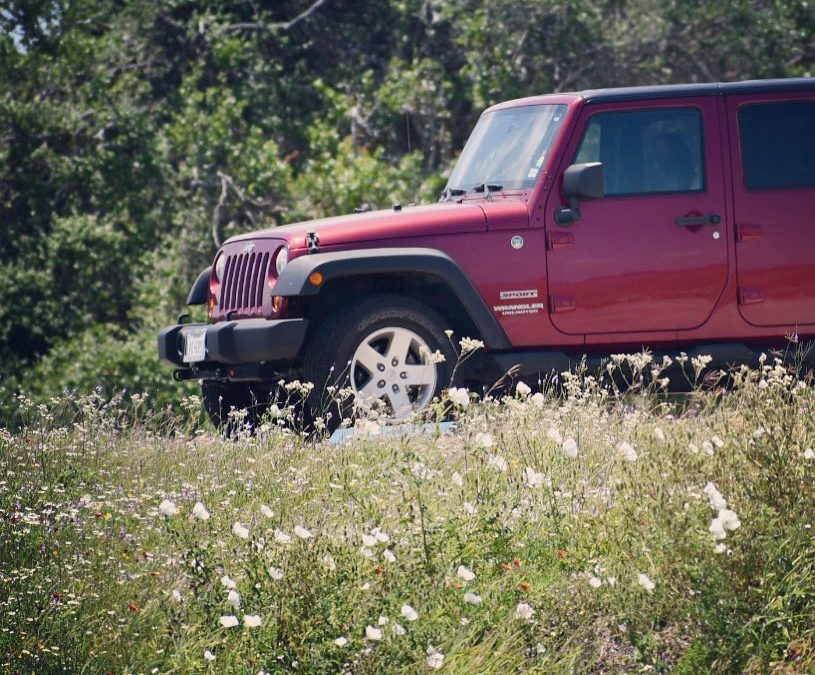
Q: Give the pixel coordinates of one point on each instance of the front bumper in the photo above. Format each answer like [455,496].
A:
[246,341]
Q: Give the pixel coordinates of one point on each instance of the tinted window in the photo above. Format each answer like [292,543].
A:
[778,144]
[649,151]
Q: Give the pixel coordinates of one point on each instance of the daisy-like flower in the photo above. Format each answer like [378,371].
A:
[234,599]
[524,611]
[644,581]
[459,396]
[373,633]
[464,573]
[252,620]
[522,390]
[498,463]
[167,508]
[409,613]
[570,448]
[281,537]
[240,530]
[341,641]
[628,451]
[209,656]
[227,582]
[266,511]
[302,532]
[484,440]
[228,621]
[472,598]
[533,478]
[435,658]
[275,573]
[199,511]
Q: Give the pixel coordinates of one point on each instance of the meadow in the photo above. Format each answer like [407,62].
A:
[581,528]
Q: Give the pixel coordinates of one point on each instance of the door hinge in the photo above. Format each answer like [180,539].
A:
[750,296]
[561,303]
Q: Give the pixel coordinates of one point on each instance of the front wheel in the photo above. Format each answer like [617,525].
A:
[389,351]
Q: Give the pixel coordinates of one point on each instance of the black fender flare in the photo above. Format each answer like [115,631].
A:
[200,289]
[294,281]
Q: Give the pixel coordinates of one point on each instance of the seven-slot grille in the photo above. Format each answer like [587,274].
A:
[244,277]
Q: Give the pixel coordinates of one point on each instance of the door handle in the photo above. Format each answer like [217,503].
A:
[696,218]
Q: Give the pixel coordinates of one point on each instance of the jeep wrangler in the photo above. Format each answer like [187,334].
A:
[673,218]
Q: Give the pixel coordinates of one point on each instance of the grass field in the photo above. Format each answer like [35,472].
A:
[581,530]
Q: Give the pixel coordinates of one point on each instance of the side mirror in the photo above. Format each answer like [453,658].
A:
[580,181]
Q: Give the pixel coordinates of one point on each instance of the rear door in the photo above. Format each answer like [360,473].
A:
[773,156]
[651,255]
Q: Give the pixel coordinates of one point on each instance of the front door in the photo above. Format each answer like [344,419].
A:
[773,151]
[652,254]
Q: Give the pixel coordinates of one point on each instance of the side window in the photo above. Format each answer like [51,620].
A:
[778,145]
[646,151]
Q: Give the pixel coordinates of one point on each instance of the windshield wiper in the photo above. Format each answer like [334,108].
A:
[492,187]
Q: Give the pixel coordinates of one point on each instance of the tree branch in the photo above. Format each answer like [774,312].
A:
[281,25]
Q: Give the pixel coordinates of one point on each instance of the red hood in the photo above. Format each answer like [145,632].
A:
[410,221]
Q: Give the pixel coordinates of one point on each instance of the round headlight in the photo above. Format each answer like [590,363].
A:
[281,260]
[220,266]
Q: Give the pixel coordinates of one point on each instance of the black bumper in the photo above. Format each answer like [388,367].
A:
[236,342]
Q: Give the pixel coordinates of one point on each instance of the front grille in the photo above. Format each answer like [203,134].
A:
[244,276]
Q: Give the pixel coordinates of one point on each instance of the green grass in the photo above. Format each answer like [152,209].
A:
[91,572]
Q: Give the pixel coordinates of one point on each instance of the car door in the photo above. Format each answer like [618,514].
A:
[773,155]
[650,255]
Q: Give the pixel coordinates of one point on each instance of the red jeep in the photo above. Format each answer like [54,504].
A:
[677,218]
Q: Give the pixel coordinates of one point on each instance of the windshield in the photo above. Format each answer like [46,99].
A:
[506,149]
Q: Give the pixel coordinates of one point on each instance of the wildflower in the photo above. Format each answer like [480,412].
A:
[209,656]
[464,573]
[594,582]
[533,478]
[809,453]
[409,613]
[718,442]
[484,440]
[383,620]
[398,629]
[459,396]
[645,582]
[381,537]
[368,540]
[522,389]
[469,345]
[252,620]
[366,553]
[234,599]
[469,508]
[611,581]
[275,573]
[694,449]
[717,529]
[570,448]
[373,633]
[227,582]
[717,502]
[524,611]
[266,511]
[367,427]
[388,555]
[420,470]
[537,399]
[199,511]
[554,435]
[659,434]
[167,508]
[435,658]
[628,451]
[497,462]
[281,537]
[302,532]
[329,562]
[228,621]
[341,641]
[458,480]
[240,530]
[729,519]
[472,598]
[719,548]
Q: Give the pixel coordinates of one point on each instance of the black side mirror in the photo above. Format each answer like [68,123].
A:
[580,181]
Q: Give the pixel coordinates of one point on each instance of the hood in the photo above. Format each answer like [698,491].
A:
[409,221]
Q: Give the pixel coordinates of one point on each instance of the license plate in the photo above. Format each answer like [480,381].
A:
[195,346]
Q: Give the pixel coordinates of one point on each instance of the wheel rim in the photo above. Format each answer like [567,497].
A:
[394,365]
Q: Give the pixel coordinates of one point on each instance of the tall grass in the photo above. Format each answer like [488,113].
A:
[578,530]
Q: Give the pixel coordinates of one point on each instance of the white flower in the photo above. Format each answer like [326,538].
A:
[719,548]
[554,435]
[522,389]
[729,519]
[398,629]
[275,573]
[281,537]
[628,451]
[226,580]
[809,453]
[177,595]
[252,620]
[341,641]
[388,555]
[594,582]
[383,620]
[611,581]
[465,574]
[373,633]
[329,562]
[199,511]
[693,448]
[524,611]
[718,442]
[717,502]
[167,508]
[209,656]
[659,434]
[707,446]
[368,540]
[367,552]
[234,598]
[459,396]
[645,582]
[533,478]
[538,399]
[497,462]
[240,530]
[457,479]
[382,537]
[570,448]
[266,511]
[469,345]
[302,532]
[469,508]
[409,613]
[472,598]
[435,659]
[484,440]
[717,529]
[228,621]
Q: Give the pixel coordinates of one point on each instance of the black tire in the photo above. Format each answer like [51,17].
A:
[329,353]
[220,398]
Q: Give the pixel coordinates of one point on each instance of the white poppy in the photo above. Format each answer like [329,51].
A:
[252,620]
[199,511]
[167,508]
[228,621]
[464,573]
[409,613]
[373,633]
[645,582]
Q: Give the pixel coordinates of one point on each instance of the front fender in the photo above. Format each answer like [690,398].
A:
[200,289]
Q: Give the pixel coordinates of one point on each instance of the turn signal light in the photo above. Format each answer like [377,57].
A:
[316,278]
[211,302]
[277,303]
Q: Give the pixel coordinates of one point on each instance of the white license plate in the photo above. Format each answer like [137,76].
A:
[195,346]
